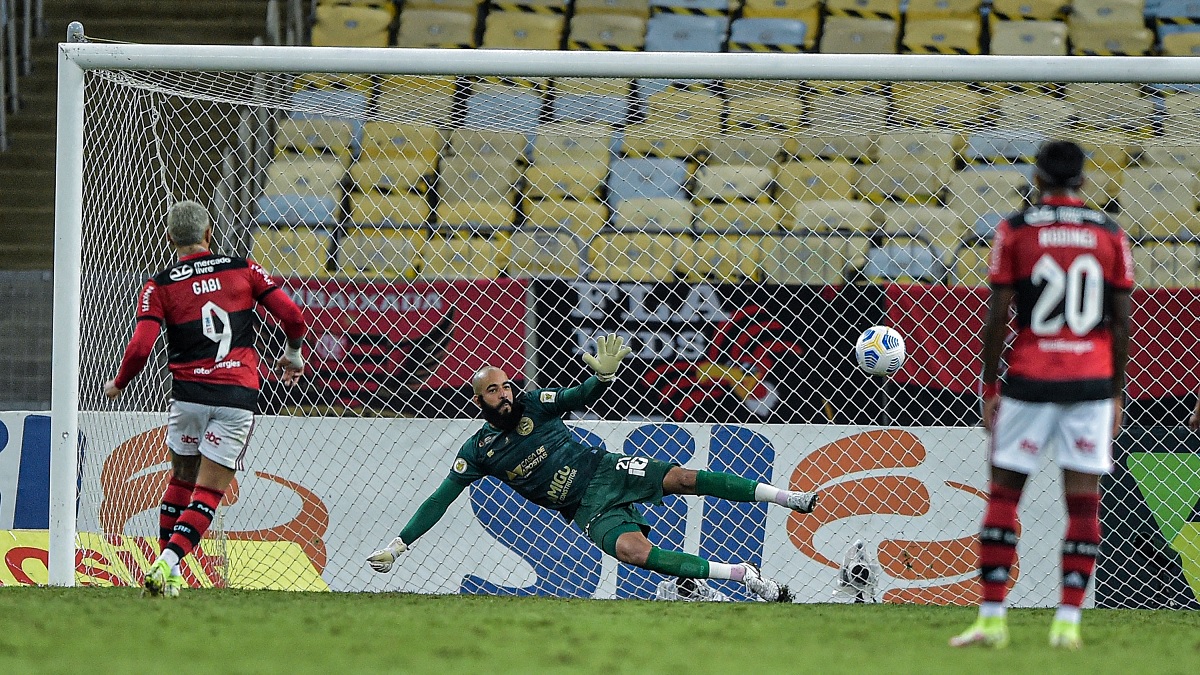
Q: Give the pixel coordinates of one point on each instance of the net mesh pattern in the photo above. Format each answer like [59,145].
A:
[739,234]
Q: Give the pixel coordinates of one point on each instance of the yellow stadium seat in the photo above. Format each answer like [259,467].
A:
[725,258]
[953,105]
[1155,265]
[850,35]
[462,178]
[851,146]
[1107,12]
[690,112]
[764,114]
[1105,106]
[476,215]
[654,214]
[506,147]
[858,114]
[1156,202]
[385,173]
[943,36]
[1110,39]
[1170,156]
[450,256]
[1029,38]
[865,9]
[292,252]
[315,81]
[933,224]
[582,218]
[970,266]
[405,106]
[347,24]
[662,140]
[1027,10]
[781,9]
[371,207]
[635,256]
[811,258]
[920,146]
[987,190]
[437,28]
[942,9]
[814,179]
[457,5]
[586,142]
[387,139]
[382,253]
[1102,184]
[760,150]
[630,7]
[592,86]
[523,30]
[1033,112]
[827,215]
[418,84]
[1183,112]
[1187,269]
[314,136]
[744,88]
[904,181]
[739,217]
[607,32]
[304,175]
[539,252]
[729,182]
[565,176]
[1181,44]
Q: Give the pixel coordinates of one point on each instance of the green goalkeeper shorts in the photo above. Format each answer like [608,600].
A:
[609,507]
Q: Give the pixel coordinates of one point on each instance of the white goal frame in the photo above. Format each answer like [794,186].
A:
[76,56]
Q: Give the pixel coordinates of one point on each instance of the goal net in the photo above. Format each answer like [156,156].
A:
[738,233]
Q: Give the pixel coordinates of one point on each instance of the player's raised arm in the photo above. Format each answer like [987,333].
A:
[427,515]
[291,363]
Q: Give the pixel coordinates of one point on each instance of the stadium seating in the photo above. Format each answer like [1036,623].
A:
[636,256]
[904,181]
[811,258]
[759,150]
[1033,112]
[302,190]
[654,214]
[828,215]
[682,33]
[451,255]
[594,101]
[685,110]
[852,35]
[693,7]
[382,253]
[455,5]
[1156,202]
[541,252]
[970,266]
[504,146]
[721,258]
[315,137]
[948,105]
[351,102]
[661,140]
[584,219]
[764,114]
[292,251]
[854,145]
[630,7]
[502,107]
[569,160]
[728,182]
[1159,265]
[1029,38]
[985,190]
[1169,156]
[783,9]
[476,215]
[523,30]
[918,10]
[938,225]
[919,146]
[837,114]
[383,173]
[607,32]
[768,35]
[632,178]
[811,180]
[390,209]
[943,36]
[1014,11]
[352,24]
[437,28]
[1110,39]
[904,258]
[738,217]
[866,9]
[1182,41]
[1106,106]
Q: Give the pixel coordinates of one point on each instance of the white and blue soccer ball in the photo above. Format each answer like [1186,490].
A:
[880,351]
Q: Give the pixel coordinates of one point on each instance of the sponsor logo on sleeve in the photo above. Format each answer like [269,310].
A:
[549,396]
[460,465]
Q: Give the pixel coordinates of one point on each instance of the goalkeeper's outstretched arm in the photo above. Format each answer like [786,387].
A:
[610,350]
[428,514]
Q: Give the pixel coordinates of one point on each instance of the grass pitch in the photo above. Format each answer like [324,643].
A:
[114,630]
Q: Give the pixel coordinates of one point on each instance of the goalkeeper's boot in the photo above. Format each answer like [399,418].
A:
[155,582]
[175,584]
[802,502]
[766,589]
[989,631]
[1065,635]
[697,590]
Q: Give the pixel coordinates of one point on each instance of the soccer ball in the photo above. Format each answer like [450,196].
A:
[880,351]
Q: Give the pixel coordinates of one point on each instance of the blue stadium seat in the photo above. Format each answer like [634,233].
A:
[681,33]
[647,177]
[590,101]
[503,108]
[767,35]
[337,104]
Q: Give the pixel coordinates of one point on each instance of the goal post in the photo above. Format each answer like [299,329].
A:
[738,217]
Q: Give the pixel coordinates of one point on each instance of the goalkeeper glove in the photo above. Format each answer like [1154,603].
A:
[381,560]
[610,350]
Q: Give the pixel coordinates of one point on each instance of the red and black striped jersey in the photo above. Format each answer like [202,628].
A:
[1064,260]
[206,303]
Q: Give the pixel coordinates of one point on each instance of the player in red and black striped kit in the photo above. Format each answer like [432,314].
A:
[206,303]
[1069,271]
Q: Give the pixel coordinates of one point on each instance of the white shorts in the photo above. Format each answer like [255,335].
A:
[1080,432]
[220,433]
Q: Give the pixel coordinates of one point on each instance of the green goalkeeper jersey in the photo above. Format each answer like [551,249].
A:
[540,459]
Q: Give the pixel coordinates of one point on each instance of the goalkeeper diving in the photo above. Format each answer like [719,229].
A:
[525,444]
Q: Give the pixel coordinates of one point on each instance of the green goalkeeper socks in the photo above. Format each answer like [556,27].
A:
[676,563]
[725,486]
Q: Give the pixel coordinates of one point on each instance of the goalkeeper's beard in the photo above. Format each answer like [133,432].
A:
[504,421]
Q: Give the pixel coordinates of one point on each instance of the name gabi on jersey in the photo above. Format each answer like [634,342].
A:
[528,464]
[1070,237]
[203,286]
[561,483]
[1041,215]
